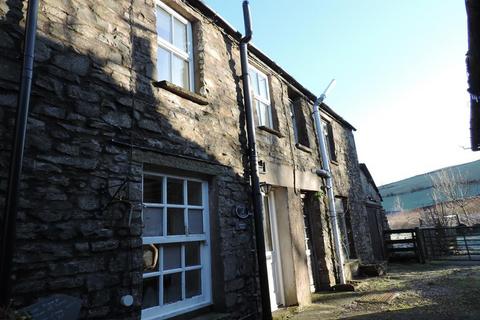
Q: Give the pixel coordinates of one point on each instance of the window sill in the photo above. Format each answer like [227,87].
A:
[303,148]
[179,91]
[270,130]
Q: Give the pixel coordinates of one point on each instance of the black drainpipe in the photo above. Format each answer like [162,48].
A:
[11,202]
[252,148]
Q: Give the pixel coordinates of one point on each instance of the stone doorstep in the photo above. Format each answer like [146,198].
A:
[373,270]
[213,316]
[387,297]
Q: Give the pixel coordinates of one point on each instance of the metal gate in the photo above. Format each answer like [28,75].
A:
[456,243]
[404,243]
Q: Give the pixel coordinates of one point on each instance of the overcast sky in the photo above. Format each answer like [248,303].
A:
[400,70]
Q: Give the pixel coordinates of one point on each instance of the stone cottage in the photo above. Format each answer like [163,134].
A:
[377,219]
[135,179]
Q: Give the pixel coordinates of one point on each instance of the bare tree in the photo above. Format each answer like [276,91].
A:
[397,204]
[436,215]
[450,191]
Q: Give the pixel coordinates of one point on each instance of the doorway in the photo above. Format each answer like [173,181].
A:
[376,232]
[272,252]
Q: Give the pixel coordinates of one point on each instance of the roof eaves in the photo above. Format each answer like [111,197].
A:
[229,29]
[369,177]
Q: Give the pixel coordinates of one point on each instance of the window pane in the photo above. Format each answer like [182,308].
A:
[150,258]
[174,191]
[180,72]
[195,221]
[152,189]
[259,112]
[263,87]
[180,31]
[194,193]
[164,25]
[255,82]
[150,293]
[175,221]
[264,114]
[153,220]
[339,205]
[268,116]
[294,122]
[192,254]
[172,256]
[163,64]
[330,144]
[172,288]
[193,285]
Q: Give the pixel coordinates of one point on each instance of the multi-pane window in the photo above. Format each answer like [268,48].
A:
[176,273]
[261,98]
[345,226]
[330,144]
[174,52]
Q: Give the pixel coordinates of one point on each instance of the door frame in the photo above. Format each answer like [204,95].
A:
[277,263]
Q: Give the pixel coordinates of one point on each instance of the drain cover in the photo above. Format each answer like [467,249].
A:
[378,297]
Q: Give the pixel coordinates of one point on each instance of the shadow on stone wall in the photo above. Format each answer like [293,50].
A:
[79,183]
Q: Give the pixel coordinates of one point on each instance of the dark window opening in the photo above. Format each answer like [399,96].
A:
[298,120]
[330,143]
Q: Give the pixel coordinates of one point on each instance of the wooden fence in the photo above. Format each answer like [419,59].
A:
[441,243]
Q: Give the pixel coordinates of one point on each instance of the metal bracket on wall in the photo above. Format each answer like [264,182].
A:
[262,166]
[242,212]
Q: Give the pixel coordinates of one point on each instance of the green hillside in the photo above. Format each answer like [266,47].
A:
[416,192]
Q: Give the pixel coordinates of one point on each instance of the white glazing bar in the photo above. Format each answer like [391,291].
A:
[185,204]
[160,282]
[183,273]
[164,200]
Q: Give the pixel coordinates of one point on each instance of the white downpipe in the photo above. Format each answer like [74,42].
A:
[329,181]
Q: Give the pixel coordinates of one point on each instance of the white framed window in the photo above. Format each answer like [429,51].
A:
[345,227]
[294,121]
[175,49]
[261,97]
[330,142]
[176,255]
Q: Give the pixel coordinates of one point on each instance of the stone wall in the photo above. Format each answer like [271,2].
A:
[347,183]
[97,121]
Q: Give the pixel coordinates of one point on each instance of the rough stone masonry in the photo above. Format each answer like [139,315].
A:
[98,120]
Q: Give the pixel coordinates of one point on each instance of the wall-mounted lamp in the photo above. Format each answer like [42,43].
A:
[265,188]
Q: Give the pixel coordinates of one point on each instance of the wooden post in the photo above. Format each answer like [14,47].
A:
[420,245]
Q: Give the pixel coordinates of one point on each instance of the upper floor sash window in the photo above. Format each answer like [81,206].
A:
[175,49]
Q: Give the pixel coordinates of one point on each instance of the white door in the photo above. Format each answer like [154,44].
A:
[308,252]
[272,253]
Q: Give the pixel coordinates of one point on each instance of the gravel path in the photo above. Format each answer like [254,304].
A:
[436,290]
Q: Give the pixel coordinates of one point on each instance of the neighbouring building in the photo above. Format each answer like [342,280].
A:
[135,178]
[377,220]
[473,68]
